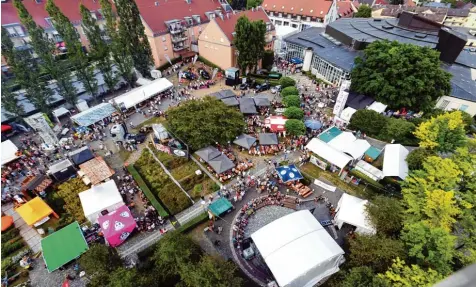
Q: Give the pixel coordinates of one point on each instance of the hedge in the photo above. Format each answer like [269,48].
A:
[10,234]
[193,223]
[155,203]
[208,63]
[271,82]
[9,248]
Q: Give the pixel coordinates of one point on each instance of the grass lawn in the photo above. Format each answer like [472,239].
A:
[124,154]
[184,170]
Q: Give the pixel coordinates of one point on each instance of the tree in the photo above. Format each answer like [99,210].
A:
[294,113]
[387,215]
[364,11]
[121,53]
[122,277]
[362,277]
[292,101]
[253,3]
[203,122]
[131,31]
[288,82]
[443,133]
[468,121]
[288,91]
[441,209]
[374,251]
[44,48]
[99,49]
[397,129]
[401,75]
[250,42]
[402,275]
[10,102]
[211,272]
[416,157]
[441,173]
[100,259]
[430,246]
[367,121]
[295,127]
[69,191]
[268,59]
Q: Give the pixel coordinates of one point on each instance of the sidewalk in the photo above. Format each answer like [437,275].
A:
[29,234]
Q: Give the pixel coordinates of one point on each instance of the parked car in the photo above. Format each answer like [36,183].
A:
[262,87]
[135,138]
[204,74]
[276,89]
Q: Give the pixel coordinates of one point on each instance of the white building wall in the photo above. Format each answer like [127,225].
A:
[450,103]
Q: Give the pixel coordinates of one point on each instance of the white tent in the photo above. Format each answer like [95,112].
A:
[394,161]
[298,250]
[369,170]
[347,113]
[378,107]
[101,197]
[342,141]
[357,148]
[9,150]
[94,114]
[140,94]
[60,112]
[351,210]
[328,153]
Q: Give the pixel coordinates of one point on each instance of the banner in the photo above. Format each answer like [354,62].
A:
[215,71]
[319,163]
[341,98]
[324,185]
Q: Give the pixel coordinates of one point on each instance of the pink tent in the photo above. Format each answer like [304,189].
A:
[117,225]
[276,123]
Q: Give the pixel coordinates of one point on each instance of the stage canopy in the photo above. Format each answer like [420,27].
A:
[276,123]
[208,153]
[101,197]
[267,139]
[220,206]
[232,101]
[328,153]
[298,250]
[351,210]
[289,173]
[81,155]
[245,141]
[378,107]
[394,161]
[96,170]
[142,93]
[221,163]
[93,115]
[63,246]
[9,151]
[34,210]
[117,225]
[247,106]
[262,101]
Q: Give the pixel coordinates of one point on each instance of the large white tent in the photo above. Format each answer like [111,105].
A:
[394,161]
[94,114]
[351,210]
[346,142]
[378,107]
[342,141]
[328,153]
[9,151]
[369,170]
[298,250]
[142,93]
[101,197]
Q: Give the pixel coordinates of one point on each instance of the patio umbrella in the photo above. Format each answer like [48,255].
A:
[313,124]
[6,128]
[245,141]
[7,221]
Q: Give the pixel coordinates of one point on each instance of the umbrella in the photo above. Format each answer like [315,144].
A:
[289,173]
[7,221]
[6,128]
[245,141]
[313,124]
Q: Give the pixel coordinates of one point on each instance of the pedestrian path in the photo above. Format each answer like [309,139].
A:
[29,234]
[206,171]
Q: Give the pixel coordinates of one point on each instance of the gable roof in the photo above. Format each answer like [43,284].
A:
[227,25]
[315,8]
[345,9]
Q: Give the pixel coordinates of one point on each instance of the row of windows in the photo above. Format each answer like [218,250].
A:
[328,71]
[445,103]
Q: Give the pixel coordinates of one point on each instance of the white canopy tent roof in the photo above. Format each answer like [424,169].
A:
[298,250]
[140,94]
[369,170]
[357,148]
[342,141]
[60,112]
[378,107]
[351,210]
[328,153]
[394,161]
[347,113]
[100,197]
[94,114]
[9,150]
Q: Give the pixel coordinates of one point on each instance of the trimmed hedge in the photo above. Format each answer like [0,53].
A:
[10,234]
[155,203]
[9,248]
[193,223]
[271,82]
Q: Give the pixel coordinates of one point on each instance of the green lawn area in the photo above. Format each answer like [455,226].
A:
[184,170]
[124,154]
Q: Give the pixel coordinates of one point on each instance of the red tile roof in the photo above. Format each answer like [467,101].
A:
[381,2]
[311,8]
[155,16]
[9,14]
[344,9]
[227,25]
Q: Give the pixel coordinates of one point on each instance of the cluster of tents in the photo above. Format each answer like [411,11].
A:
[247,104]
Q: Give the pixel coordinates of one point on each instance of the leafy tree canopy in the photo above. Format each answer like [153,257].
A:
[287,82]
[402,275]
[363,277]
[416,157]
[367,121]
[397,129]
[292,101]
[69,191]
[287,91]
[294,113]
[295,127]
[211,272]
[202,122]
[100,259]
[249,41]
[387,215]
[364,11]
[401,75]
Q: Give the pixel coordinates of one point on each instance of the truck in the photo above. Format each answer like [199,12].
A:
[120,134]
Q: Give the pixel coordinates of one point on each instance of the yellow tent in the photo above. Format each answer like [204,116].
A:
[35,210]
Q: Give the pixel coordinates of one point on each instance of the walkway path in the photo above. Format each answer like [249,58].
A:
[29,234]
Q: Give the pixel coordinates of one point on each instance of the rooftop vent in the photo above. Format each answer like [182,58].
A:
[156,3]
[421,36]
[387,27]
[377,20]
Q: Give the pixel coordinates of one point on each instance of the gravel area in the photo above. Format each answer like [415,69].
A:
[264,216]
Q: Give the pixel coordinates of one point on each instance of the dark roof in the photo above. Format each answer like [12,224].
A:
[467,58]
[223,94]
[247,106]
[35,182]
[463,86]
[245,141]
[230,102]
[458,12]
[221,164]
[262,101]
[208,153]
[81,155]
[336,54]
[367,2]
[267,139]
[358,102]
[437,5]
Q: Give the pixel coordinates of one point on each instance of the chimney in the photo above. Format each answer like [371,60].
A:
[156,3]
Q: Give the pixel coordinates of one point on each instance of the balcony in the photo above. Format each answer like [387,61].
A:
[177,48]
[178,38]
[176,28]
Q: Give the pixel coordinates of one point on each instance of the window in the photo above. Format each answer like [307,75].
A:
[289,16]
[286,23]
[163,38]
[294,25]
[165,48]
[308,19]
[463,108]
[444,104]
[279,23]
[280,15]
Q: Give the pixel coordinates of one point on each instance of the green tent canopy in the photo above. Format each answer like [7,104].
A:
[220,206]
[63,246]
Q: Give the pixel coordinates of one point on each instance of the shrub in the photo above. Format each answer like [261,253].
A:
[10,234]
[416,157]
[295,127]
[368,121]
[8,249]
[190,181]
[397,129]
[294,113]
[7,264]
[287,82]
[289,91]
[292,101]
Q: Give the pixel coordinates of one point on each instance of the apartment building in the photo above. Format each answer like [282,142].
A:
[216,41]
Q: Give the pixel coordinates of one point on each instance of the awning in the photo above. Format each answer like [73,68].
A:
[223,94]
[220,206]
[221,163]
[247,106]
[328,153]
[208,153]
[60,112]
[357,148]
[96,170]
[276,123]
[369,170]
[378,107]
[117,225]
[352,210]
[94,114]
[245,141]
[231,102]
[9,152]
[289,173]
[267,139]
[81,155]
[140,94]
[7,221]
[34,210]
[186,54]
[313,124]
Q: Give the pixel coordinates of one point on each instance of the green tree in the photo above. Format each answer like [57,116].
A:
[268,59]
[416,157]
[468,121]
[362,277]
[295,127]
[401,75]
[44,48]
[288,91]
[288,82]
[374,251]
[122,277]
[211,272]
[402,275]
[250,42]
[100,259]
[441,209]
[294,113]
[69,191]
[364,11]
[292,101]
[205,121]
[10,102]
[131,31]
[368,121]
[387,215]
[443,133]
[397,129]
[121,53]
[99,49]
[253,3]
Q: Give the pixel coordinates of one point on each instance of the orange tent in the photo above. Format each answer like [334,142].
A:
[7,221]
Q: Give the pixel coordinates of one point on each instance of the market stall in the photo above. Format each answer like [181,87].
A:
[262,101]
[276,123]
[9,152]
[231,102]
[63,246]
[268,139]
[81,155]
[352,210]
[35,212]
[117,225]
[208,153]
[327,153]
[289,173]
[100,199]
[245,141]
[36,184]
[95,171]
[394,161]
[62,170]
[247,106]
[94,114]
[142,93]
[221,164]
[220,207]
